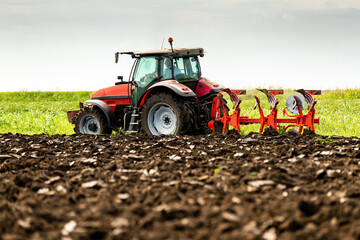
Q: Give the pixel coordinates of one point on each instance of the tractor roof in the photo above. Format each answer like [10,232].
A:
[166,52]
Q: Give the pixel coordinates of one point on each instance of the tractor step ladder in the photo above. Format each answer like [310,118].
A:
[134,123]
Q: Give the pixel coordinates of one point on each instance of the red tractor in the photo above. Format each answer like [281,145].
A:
[165,94]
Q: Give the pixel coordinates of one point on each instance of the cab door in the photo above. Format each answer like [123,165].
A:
[145,71]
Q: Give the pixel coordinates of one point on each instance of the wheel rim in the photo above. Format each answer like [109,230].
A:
[89,125]
[162,119]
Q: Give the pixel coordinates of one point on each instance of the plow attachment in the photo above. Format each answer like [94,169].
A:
[294,111]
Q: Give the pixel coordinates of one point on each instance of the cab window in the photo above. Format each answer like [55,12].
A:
[186,68]
[189,68]
[146,71]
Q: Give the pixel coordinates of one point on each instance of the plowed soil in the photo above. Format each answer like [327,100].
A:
[179,187]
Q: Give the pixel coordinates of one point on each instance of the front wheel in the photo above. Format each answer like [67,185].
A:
[91,122]
[166,114]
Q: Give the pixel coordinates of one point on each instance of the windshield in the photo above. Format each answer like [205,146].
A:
[186,68]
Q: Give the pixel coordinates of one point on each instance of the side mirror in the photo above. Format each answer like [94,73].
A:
[121,80]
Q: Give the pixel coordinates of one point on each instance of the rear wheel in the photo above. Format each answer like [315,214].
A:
[91,122]
[166,114]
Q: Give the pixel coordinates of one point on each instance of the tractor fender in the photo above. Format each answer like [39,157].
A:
[206,87]
[172,85]
[109,114]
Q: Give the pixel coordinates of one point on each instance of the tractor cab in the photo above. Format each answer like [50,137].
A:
[155,66]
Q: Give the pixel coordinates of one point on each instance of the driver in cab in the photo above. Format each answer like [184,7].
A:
[167,72]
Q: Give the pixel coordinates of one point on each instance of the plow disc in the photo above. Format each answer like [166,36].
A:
[295,104]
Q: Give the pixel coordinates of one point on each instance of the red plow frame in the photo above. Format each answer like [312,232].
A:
[220,116]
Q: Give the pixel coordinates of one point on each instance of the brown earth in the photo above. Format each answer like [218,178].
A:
[179,187]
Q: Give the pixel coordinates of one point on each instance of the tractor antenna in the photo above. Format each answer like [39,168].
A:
[162,45]
[170,41]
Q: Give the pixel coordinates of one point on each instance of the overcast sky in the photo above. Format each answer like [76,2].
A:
[70,45]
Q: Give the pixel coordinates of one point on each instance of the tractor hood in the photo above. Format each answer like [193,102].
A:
[114,92]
